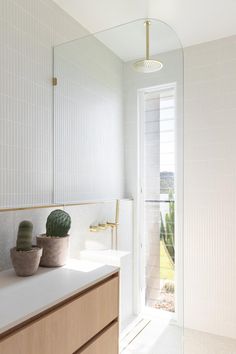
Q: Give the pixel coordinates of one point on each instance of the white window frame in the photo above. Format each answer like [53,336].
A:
[139,251]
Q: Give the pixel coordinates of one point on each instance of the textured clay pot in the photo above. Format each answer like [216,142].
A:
[26,263]
[55,250]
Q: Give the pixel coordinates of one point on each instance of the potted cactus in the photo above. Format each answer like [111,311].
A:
[25,257]
[55,242]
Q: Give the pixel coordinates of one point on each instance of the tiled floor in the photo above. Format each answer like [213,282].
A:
[153,333]
[202,343]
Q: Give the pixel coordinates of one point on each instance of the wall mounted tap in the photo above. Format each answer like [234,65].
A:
[112,225]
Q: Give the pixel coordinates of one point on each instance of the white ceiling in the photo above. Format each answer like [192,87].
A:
[195,21]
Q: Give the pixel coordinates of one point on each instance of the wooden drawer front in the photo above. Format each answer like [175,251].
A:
[105,343]
[68,328]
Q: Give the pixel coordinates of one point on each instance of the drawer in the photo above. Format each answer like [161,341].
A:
[104,343]
[66,329]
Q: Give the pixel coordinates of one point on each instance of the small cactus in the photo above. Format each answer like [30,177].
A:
[58,223]
[24,236]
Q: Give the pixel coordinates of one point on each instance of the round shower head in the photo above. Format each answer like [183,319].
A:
[148,66]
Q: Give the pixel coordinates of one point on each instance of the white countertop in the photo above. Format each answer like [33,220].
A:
[24,297]
[112,257]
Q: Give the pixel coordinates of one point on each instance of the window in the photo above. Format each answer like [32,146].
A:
[159,197]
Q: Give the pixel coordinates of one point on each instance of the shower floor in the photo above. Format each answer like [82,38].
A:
[154,333]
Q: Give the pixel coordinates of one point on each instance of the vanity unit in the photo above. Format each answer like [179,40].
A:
[69,310]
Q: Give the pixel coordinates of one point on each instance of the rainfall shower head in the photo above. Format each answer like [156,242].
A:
[147,65]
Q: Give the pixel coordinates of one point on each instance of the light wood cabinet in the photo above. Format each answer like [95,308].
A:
[105,343]
[91,316]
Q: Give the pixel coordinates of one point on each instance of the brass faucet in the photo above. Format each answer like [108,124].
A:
[112,225]
[102,227]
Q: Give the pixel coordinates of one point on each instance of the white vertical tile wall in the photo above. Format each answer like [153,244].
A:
[210,187]
[28,31]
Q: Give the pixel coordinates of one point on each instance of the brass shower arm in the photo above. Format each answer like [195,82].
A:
[147,24]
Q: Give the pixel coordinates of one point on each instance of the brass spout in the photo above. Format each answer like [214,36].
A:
[112,224]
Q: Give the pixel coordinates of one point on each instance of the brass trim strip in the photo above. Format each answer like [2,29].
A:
[59,205]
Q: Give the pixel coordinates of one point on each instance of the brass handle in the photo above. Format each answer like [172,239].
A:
[103,226]
[93,228]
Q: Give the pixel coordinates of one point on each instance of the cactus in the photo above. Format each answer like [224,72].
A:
[24,236]
[58,223]
[167,231]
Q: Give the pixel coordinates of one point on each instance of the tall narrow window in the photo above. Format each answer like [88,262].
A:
[159,196]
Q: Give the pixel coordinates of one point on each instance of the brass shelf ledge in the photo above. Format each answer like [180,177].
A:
[59,205]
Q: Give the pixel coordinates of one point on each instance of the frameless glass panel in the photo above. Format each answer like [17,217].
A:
[118,133]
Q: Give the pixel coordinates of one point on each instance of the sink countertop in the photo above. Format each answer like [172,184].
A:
[24,297]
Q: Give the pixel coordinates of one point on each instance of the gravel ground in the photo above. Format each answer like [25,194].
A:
[166,302]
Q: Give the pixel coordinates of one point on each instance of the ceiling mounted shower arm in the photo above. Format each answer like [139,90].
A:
[147,24]
[147,65]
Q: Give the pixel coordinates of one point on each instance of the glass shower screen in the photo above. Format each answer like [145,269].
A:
[118,123]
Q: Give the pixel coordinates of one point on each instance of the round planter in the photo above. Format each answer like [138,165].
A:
[26,263]
[55,250]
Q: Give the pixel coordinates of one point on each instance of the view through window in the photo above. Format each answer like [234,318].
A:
[159,194]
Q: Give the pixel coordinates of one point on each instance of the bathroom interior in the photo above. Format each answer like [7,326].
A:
[128,127]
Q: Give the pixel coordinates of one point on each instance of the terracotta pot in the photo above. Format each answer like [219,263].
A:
[55,250]
[26,263]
